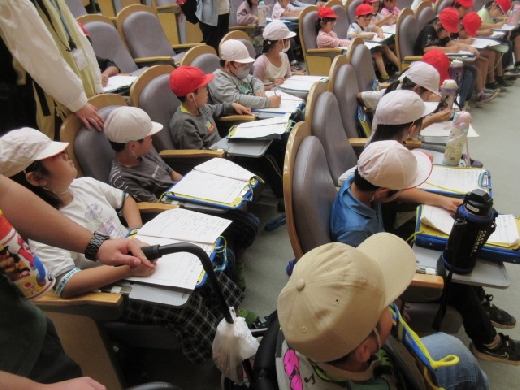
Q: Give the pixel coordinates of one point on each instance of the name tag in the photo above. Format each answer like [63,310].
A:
[79,58]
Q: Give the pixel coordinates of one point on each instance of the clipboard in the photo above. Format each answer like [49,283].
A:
[461,181]
[431,238]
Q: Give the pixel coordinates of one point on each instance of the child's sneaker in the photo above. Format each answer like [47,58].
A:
[485,96]
[504,82]
[495,86]
[498,317]
[508,352]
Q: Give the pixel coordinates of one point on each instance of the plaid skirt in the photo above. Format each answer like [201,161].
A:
[195,322]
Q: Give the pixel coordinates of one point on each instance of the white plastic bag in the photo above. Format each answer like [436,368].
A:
[232,344]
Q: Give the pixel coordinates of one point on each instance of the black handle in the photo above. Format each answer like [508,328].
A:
[157,251]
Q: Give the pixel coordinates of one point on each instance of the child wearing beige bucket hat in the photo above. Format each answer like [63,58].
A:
[334,316]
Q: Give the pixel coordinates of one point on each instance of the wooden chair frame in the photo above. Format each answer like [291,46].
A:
[317,60]
[125,13]
[195,52]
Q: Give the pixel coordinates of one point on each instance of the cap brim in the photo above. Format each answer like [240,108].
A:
[156,127]
[396,260]
[51,150]
[423,169]
[246,60]
[207,80]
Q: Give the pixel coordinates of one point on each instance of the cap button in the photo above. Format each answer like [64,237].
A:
[300,284]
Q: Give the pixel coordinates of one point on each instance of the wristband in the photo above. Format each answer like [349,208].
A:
[94,245]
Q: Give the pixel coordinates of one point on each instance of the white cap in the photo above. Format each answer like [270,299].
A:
[126,124]
[424,75]
[234,50]
[277,30]
[337,293]
[20,148]
[401,107]
[388,164]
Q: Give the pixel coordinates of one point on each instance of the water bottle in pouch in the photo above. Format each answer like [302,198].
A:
[261,13]
[458,138]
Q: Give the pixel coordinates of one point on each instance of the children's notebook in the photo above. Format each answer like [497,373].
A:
[455,181]
[265,129]
[217,182]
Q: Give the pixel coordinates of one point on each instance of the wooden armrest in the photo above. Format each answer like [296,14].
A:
[325,50]
[231,28]
[186,46]
[157,60]
[154,207]
[169,8]
[190,153]
[432,281]
[412,58]
[358,142]
[97,305]
[413,143]
[236,118]
[384,84]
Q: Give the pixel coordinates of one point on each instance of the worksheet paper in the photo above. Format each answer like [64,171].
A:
[265,128]
[302,82]
[225,168]
[289,104]
[180,270]
[116,83]
[442,129]
[454,180]
[506,232]
[185,225]
[389,29]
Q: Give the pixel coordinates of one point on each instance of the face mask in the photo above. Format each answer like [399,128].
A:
[286,48]
[240,73]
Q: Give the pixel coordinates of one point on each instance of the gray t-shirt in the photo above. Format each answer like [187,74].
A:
[224,88]
[144,182]
[197,131]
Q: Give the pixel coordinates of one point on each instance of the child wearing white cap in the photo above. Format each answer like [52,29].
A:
[337,331]
[234,84]
[273,66]
[43,166]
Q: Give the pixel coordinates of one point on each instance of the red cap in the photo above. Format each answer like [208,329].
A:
[187,79]
[363,9]
[440,61]
[465,3]
[471,23]
[449,18]
[504,5]
[326,12]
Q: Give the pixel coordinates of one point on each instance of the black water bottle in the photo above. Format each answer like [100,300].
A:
[474,223]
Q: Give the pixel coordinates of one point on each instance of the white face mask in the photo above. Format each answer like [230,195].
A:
[286,48]
[241,73]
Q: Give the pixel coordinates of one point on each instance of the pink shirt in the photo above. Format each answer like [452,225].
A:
[385,11]
[245,15]
[330,39]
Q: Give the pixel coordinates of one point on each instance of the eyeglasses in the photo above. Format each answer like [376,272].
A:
[368,16]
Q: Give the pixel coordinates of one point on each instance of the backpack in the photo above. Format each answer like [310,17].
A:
[189,7]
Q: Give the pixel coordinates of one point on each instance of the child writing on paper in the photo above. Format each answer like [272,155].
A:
[273,66]
[364,29]
[284,8]
[191,123]
[46,169]
[139,171]
[233,83]
[377,17]
[324,27]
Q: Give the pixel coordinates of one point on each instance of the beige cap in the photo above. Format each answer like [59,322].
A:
[20,148]
[424,75]
[234,50]
[400,107]
[277,30]
[388,164]
[126,124]
[336,294]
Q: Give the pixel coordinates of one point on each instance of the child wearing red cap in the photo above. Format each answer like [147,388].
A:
[493,15]
[436,34]
[324,27]
[364,29]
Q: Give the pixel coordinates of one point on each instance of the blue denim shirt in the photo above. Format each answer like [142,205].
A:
[352,221]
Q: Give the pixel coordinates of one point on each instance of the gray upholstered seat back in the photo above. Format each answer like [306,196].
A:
[345,89]
[76,8]
[327,126]
[424,17]
[351,11]
[361,60]
[313,194]
[207,62]
[107,43]
[93,150]
[408,32]
[443,4]
[342,23]
[309,30]
[160,103]
[234,4]
[145,36]
[402,4]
